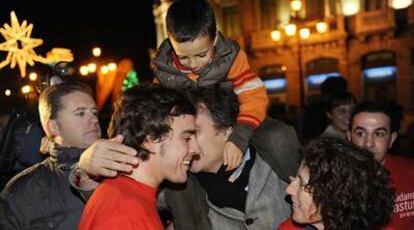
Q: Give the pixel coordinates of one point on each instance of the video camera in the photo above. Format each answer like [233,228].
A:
[59,73]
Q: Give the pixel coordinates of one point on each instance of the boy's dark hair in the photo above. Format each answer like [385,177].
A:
[349,187]
[49,100]
[146,111]
[338,99]
[373,107]
[222,105]
[189,19]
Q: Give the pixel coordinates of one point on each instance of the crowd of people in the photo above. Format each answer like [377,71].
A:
[197,144]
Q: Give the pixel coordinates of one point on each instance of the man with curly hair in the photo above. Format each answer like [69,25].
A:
[372,127]
[159,124]
[340,186]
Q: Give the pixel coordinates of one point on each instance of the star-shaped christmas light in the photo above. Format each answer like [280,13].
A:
[19,45]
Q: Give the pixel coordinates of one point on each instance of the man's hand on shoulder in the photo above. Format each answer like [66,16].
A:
[108,157]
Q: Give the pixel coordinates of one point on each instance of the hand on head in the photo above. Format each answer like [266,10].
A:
[108,157]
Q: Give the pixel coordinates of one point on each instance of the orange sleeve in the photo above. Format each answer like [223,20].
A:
[250,91]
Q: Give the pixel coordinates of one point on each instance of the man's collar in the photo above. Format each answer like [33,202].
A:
[65,155]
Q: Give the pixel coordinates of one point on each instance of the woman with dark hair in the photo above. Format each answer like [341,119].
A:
[339,186]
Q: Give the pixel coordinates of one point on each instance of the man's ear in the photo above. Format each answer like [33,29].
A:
[394,136]
[52,128]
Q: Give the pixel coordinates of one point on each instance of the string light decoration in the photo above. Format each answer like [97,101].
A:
[20,46]
[58,55]
[130,80]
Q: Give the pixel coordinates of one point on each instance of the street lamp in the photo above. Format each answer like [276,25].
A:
[291,30]
[26,89]
[112,66]
[104,69]
[400,4]
[276,35]
[97,66]
[350,7]
[33,76]
[96,52]
[303,33]
[84,70]
[92,67]
[296,5]
[321,27]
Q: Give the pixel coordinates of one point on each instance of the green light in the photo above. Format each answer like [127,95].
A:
[130,80]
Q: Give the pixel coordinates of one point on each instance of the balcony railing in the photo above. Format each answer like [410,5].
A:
[373,22]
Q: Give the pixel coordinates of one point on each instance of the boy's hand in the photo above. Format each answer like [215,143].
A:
[232,156]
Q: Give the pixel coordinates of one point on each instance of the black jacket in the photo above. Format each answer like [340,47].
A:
[41,197]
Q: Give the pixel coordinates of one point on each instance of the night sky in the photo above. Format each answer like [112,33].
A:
[123,29]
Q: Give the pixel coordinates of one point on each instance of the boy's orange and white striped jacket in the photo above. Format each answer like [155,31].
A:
[228,66]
